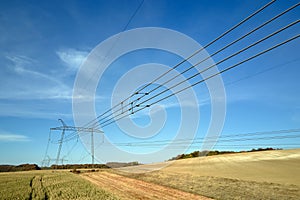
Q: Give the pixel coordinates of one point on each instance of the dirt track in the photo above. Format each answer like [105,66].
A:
[128,188]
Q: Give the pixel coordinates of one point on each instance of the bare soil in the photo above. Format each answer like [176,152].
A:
[129,188]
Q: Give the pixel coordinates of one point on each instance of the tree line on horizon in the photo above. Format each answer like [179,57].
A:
[28,167]
[216,152]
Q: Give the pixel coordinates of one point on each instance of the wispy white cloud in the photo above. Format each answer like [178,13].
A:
[20,69]
[28,90]
[9,137]
[27,83]
[42,111]
[72,58]
[21,60]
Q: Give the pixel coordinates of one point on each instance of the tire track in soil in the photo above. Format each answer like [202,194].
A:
[133,189]
[31,187]
[46,196]
[34,190]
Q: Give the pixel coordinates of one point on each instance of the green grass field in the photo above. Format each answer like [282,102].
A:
[48,185]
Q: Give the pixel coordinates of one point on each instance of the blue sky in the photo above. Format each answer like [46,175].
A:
[43,44]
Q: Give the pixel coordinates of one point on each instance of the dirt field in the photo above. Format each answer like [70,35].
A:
[128,188]
[256,175]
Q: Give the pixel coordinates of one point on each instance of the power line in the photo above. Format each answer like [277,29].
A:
[220,140]
[269,68]
[227,137]
[289,145]
[199,73]
[215,53]
[225,143]
[227,58]
[74,134]
[105,123]
[114,44]
[133,15]
[286,145]
[186,59]
[262,71]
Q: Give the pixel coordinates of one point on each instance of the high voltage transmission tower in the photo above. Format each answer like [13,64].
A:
[77,130]
[47,160]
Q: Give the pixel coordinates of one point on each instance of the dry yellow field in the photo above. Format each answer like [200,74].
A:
[46,184]
[256,175]
[132,189]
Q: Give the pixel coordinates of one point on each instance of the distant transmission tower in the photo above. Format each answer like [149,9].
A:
[65,128]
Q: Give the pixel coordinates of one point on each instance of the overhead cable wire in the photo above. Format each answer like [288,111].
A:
[213,141]
[286,145]
[222,140]
[222,35]
[263,71]
[198,63]
[201,81]
[186,59]
[193,66]
[75,134]
[114,44]
[227,58]
[199,73]
[239,135]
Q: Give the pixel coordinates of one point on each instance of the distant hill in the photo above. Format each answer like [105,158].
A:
[23,167]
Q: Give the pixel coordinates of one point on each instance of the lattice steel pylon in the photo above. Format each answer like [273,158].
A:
[65,128]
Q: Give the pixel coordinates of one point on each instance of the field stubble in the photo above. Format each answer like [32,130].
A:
[48,185]
[259,175]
